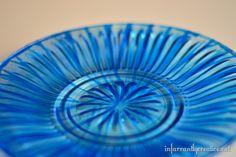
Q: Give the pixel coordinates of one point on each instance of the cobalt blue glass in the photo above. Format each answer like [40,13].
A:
[119,90]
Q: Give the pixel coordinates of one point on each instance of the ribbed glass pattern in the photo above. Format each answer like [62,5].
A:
[123,90]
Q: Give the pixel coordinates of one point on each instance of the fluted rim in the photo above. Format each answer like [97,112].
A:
[21,50]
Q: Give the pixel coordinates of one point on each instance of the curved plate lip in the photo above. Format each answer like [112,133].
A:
[35,42]
[6,150]
[21,50]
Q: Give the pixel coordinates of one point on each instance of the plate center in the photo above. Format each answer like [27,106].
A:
[120,106]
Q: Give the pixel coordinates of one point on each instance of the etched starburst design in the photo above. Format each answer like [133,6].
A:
[119,109]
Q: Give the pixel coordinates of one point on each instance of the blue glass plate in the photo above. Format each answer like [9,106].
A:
[122,90]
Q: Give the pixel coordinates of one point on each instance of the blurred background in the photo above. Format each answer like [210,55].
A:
[25,21]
